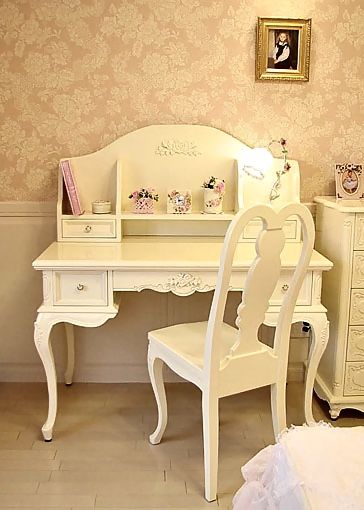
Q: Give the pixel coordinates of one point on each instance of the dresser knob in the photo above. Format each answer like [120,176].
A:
[88,229]
[80,286]
[285,287]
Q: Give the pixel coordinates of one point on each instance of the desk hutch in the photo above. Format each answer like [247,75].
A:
[98,256]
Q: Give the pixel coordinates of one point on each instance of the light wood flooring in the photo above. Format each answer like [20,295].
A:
[100,457]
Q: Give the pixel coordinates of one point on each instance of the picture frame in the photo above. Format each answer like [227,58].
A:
[283,49]
[349,180]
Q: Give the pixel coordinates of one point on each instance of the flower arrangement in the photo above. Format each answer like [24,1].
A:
[214,191]
[144,193]
[286,167]
[143,200]
[218,185]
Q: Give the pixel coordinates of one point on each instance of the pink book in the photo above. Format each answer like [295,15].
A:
[71,187]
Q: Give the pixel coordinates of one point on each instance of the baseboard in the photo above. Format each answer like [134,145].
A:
[296,372]
[33,372]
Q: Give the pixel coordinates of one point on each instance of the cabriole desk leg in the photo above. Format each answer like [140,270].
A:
[42,329]
[320,336]
[70,336]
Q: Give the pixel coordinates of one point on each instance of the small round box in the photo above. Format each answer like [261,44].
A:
[101,207]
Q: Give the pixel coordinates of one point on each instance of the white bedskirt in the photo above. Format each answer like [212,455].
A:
[318,467]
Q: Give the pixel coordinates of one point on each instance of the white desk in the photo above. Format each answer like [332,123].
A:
[81,282]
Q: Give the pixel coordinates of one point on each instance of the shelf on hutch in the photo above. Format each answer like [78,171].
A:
[167,157]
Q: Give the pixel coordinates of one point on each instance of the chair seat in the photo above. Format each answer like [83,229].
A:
[188,340]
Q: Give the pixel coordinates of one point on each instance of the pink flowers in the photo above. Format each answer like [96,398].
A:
[144,193]
[218,185]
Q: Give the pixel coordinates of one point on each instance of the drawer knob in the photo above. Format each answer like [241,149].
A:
[88,229]
[80,286]
[285,287]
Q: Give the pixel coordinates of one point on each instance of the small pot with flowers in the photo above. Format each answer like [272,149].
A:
[144,199]
[214,191]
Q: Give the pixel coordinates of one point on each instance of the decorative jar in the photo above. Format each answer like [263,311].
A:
[144,206]
[214,190]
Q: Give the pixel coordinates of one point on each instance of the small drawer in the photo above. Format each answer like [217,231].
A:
[358,270]
[83,288]
[304,295]
[359,232]
[354,379]
[291,229]
[357,307]
[89,228]
[355,351]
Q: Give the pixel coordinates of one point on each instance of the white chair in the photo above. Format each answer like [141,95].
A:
[222,360]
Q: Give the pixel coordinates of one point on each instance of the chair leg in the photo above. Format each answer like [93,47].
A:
[155,368]
[278,405]
[210,419]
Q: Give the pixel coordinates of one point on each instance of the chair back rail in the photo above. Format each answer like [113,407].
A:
[260,283]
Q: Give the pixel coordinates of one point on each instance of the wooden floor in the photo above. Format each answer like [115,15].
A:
[100,457]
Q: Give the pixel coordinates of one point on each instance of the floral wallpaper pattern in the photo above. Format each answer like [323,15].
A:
[77,74]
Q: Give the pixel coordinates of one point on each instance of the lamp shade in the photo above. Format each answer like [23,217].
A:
[256,162]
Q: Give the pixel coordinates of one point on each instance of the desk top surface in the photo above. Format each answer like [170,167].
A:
[162,253]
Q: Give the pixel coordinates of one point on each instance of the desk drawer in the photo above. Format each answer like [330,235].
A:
[186,283]
[354,379]
[291,230]
[358,270]
[89,228]
[84,289]
[355,350]
[359,232]
[357,307]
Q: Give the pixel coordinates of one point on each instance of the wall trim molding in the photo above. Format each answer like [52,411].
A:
[28,209]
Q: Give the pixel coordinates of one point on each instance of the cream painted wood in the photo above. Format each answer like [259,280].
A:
[89,228]
[42,329]
[150,262]
[340,237]
[186,283]
[160,260]
[354,378]
[291,230]
[166,253]
[356,307]
[358,270]
[70,337]
[80,288]
[355,344]
[113,172]
[222,360]
[359,232]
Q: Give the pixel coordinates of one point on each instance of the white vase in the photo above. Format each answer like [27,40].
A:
[212,201]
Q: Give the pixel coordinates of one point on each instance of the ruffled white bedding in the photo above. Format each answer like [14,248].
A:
[318,467]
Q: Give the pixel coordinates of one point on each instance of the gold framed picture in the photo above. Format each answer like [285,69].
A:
[349,181]
[283,49]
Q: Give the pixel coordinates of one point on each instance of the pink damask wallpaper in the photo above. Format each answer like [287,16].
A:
[77,74]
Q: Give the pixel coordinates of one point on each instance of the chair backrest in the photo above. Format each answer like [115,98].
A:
[260,283]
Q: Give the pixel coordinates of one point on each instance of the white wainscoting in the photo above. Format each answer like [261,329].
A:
[115,352]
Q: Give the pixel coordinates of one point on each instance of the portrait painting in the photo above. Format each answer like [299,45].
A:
[349,182]
[283,49]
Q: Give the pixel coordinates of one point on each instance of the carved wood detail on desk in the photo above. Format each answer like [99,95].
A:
[183,284]
[358,270]
[177,148]
[354,380]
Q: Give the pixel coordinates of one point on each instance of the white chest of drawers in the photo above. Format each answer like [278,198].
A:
[340,237]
